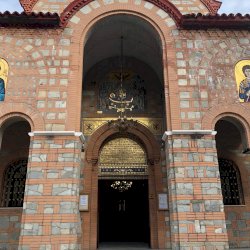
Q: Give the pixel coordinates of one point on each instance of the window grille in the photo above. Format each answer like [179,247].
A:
[230,183]
[14,184]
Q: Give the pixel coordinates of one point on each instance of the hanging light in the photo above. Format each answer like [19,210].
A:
[121,186]
[118,101]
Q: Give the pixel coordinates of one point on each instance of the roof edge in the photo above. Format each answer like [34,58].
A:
[188,21]
[223,21]
[29,20]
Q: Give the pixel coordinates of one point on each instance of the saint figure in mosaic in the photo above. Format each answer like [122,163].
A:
[242,73]
[244,91]
[2,89]
[3,78]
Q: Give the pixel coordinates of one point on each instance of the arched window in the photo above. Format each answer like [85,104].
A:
[14,184]
[230,183]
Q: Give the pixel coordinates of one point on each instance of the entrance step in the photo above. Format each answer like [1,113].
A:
[123,246]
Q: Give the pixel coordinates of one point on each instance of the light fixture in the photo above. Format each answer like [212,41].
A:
[121,186]
[118,99]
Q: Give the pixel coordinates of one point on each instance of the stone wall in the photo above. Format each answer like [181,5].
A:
[51,216]
[238,220]
[10,219]
[196,207]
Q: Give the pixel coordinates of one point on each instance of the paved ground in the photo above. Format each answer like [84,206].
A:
[133,246]
[123,246]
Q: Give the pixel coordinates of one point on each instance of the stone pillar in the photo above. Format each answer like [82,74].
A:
[197,216]
[51,218]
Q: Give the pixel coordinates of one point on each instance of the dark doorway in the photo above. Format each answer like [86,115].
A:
[123,216]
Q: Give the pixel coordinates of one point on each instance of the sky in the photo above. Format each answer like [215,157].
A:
[228,6]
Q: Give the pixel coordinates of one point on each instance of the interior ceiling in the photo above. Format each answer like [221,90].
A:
[140,41]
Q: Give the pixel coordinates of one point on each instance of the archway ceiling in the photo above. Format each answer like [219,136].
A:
[141,41]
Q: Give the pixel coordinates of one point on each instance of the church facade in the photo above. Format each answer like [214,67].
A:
[124,121]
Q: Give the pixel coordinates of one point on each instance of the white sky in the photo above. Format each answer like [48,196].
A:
[228,6]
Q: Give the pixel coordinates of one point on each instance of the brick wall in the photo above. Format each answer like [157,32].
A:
[10,219]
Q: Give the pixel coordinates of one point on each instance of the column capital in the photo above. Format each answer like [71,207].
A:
[58,133]
[194,132]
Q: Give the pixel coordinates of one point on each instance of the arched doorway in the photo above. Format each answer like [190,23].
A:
[147,181]
[14,150]
[233,157]
[123,192]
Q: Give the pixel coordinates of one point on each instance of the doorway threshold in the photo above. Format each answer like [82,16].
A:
[123,246]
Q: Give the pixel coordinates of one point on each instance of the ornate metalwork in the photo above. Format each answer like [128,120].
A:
[122,157]
[118,99]
[122,124]
[230,183]
[14,185]
[91,124]
[131,96]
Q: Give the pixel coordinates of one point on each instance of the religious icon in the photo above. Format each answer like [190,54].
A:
[242,74]
[3,78]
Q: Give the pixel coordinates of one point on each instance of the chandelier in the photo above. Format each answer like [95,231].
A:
[118,100]
[121,186]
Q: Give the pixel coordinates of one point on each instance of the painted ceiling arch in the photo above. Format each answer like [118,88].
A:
[170,8]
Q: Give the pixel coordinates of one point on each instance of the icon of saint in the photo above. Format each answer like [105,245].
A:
[244,89]
[2,89]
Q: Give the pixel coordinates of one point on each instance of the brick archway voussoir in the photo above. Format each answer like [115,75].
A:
[237,111]
[105,131]
[9,110]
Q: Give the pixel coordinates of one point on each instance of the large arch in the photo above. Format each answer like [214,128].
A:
[160,21]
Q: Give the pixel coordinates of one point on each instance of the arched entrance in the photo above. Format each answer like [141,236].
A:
[147,182]
[123,192]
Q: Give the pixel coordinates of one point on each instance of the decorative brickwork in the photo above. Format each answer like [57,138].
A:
[212,5]
[28,5]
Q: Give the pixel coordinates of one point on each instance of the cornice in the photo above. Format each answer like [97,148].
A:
[224,22]
[29,20]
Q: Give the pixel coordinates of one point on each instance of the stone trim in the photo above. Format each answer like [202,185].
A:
[188,132]
[58,133]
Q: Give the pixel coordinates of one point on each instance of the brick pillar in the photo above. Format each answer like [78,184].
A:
[51,218]
[197,216]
